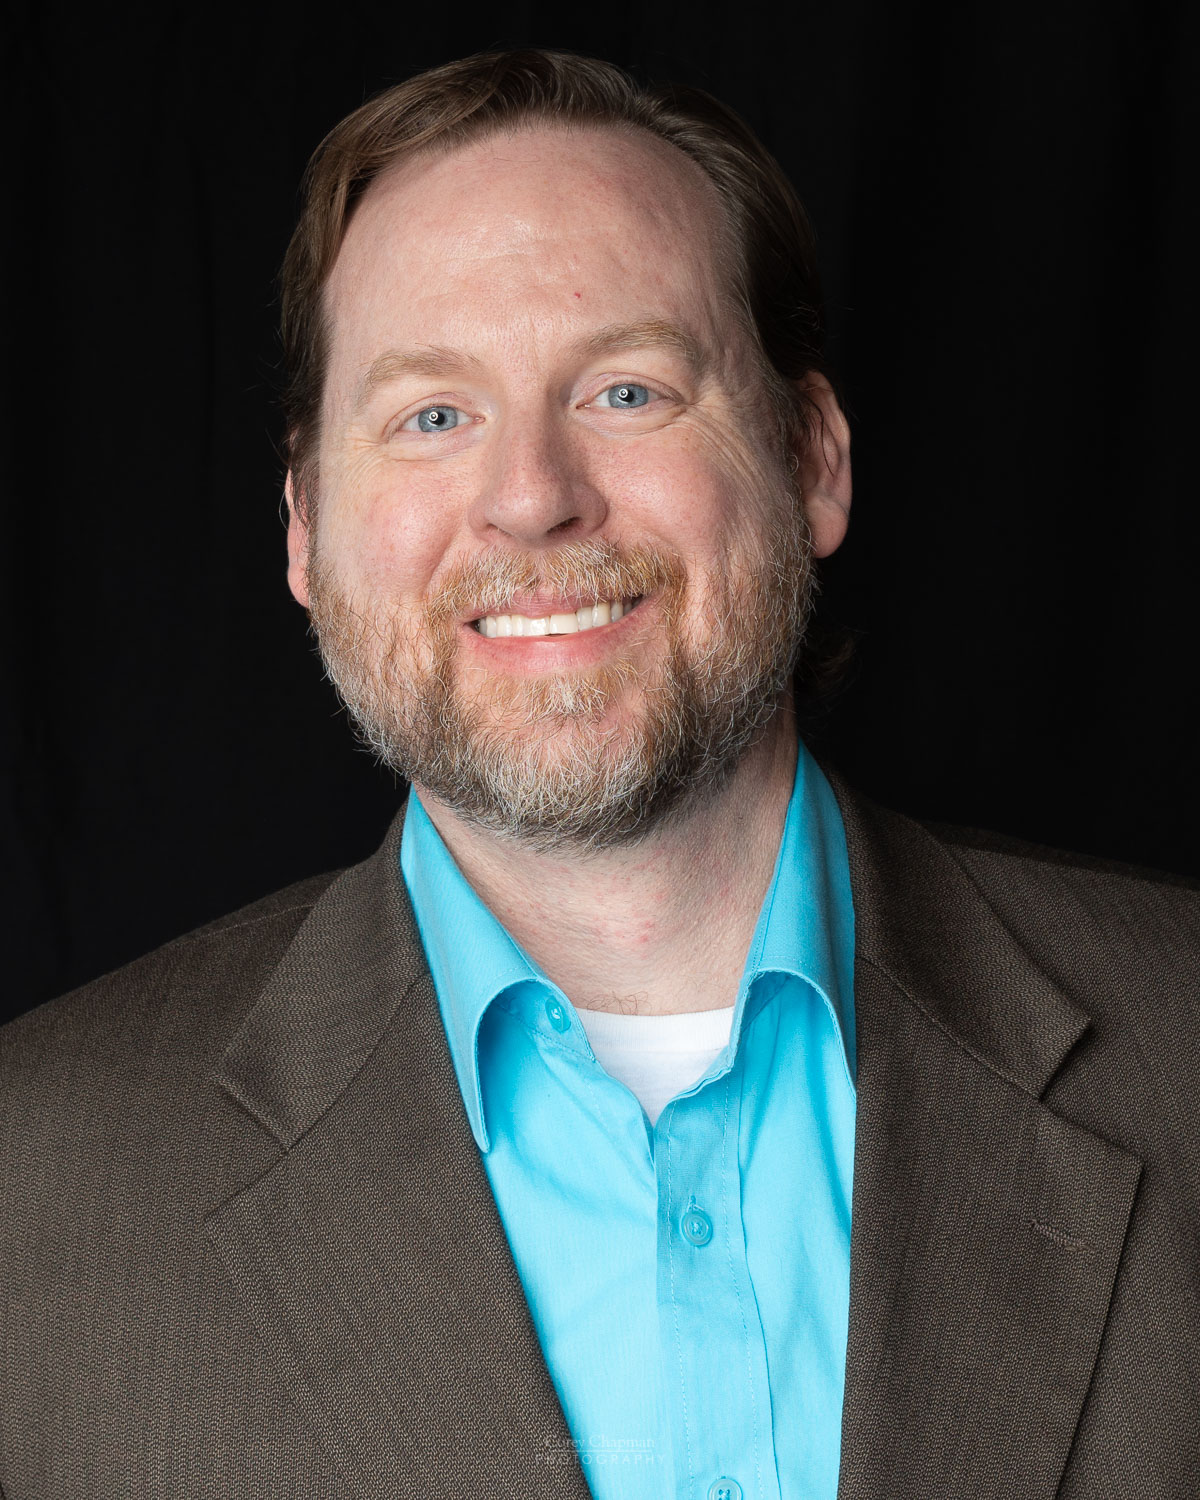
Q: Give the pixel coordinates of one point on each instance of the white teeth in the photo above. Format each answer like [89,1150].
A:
[588,618]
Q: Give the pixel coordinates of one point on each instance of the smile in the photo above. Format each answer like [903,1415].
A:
[589,617]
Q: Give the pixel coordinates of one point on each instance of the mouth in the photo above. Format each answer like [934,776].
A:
[588,617]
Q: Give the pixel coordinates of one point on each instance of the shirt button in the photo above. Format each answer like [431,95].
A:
[725,1489]
[558,1015]
[697,1227]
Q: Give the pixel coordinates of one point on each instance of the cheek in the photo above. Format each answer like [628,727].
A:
[385,537]
[706,495]
[670,490]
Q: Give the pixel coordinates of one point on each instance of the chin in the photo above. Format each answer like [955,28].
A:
[563,704]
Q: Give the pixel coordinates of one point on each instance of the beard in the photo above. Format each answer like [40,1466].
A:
[581,759]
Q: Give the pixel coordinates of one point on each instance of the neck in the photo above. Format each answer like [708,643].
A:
[658,929]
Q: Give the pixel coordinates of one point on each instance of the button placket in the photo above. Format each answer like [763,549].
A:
[708,1316]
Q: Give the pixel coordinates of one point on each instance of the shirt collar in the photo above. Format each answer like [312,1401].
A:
[806,925]
[805,928]
[471,956]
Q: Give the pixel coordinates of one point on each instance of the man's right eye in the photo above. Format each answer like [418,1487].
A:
[434,419]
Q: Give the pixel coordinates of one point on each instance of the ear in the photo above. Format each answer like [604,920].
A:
[298,543]
[823,468]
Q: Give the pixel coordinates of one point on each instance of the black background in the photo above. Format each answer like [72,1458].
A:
[1004,202]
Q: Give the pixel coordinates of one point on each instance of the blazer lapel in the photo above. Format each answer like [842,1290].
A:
[986,1231]
[371,1256]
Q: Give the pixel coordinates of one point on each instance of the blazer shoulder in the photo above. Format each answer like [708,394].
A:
[1128,912]
[206,977]
[292,902]
[1122,939]
[980,842]
[1122,943]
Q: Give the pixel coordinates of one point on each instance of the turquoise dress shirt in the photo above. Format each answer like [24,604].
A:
[689,1282]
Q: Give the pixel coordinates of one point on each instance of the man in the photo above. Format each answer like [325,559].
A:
[651,1115]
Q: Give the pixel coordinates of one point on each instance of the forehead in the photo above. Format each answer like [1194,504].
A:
[542,231]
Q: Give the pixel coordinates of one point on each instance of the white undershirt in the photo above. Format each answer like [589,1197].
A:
[656,1057]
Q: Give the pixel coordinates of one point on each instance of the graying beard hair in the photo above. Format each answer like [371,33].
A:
[697,724]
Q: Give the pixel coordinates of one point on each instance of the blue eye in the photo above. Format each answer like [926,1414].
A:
[623,397]
[434,419]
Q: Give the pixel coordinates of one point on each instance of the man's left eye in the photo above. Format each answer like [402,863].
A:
[623,397]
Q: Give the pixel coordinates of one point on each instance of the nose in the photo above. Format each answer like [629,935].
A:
[536,489]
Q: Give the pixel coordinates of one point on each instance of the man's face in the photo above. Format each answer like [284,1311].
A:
[558,568]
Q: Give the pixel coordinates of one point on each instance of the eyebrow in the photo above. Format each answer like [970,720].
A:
[430,359]
[434,360]
[651,333]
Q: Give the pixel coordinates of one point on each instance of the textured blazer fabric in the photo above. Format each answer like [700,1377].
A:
[248,1247]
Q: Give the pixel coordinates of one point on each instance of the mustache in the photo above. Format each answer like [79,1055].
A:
[594,567]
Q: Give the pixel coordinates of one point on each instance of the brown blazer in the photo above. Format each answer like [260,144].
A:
[248,1247]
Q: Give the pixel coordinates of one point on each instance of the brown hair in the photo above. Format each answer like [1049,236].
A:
[775,278]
